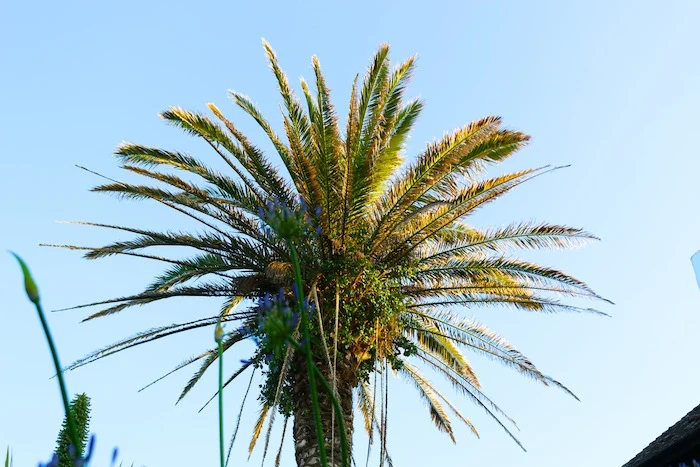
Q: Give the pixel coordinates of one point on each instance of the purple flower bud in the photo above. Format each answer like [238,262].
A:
[318,211]
[318,231]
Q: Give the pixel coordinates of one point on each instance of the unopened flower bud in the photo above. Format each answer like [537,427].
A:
[218,332]
[29,284]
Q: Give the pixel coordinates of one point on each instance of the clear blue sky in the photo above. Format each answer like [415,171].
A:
[611,88]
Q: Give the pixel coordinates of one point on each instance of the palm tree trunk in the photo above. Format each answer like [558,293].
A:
[305,440]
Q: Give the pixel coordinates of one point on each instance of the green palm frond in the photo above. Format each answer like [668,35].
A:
[220,289]
[377,159]
[193,268]
[248,364]
[443,347]
[144,337]
[494,268]
[519,235]
[457,152]
[229,340]
[328,157]
[415,233]
[179,366]
[365,110]
[298,118]
[529,304]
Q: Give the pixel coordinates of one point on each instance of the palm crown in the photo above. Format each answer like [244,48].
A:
[391,265]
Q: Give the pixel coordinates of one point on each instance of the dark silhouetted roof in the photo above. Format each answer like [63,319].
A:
[677,444]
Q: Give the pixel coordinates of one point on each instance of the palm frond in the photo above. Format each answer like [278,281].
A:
[300,121]
[329,162]
[247,105]
[278,458]
[530,304]
[142,338]
[381,146]
[495,268]
[203,290]
[240,414]
[236,374]
[180,366]
[474,394]
[523,235]
[229,340]
[416,233]
[258,428]
[427,393]
[443,348]
[366,406]
[371,94]
[483,341]
[461,151]
[256,163]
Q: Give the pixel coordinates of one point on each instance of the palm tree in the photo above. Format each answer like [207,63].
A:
[389,273]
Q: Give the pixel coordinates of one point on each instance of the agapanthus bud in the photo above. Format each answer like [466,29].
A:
[29,284]
[218,332]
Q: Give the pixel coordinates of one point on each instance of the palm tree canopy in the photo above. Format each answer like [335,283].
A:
[388,254]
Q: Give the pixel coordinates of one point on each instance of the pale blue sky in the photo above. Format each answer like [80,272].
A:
[608,87]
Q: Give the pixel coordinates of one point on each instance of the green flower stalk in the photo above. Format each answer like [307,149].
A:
[219,337]
[33,293]
[309,360]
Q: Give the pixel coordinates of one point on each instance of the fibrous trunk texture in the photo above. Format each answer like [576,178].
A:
[305,439]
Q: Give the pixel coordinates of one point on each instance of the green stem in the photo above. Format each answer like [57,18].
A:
[221,403]
[309,359]
[61,382]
